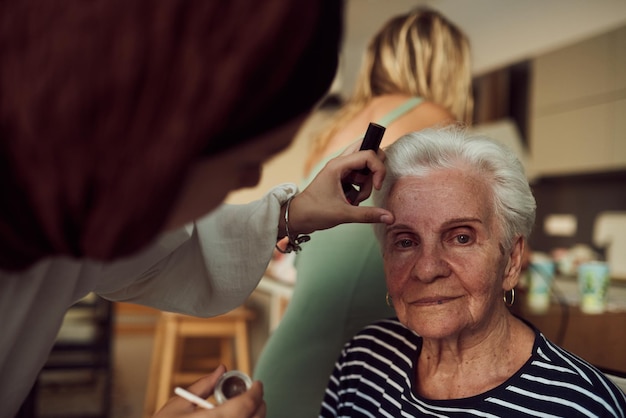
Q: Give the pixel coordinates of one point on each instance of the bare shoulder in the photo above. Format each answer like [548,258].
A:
[432,114]
[425,115]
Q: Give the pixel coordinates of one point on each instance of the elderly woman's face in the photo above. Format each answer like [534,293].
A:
[444,261]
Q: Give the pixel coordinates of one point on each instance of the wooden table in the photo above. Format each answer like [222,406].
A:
[600,339]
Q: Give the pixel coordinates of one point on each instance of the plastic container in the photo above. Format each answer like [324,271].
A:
[593,282]
[231,384]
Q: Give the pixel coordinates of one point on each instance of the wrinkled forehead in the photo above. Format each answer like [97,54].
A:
[442,194]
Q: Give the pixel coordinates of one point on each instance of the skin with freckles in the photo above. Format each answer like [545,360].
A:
[446,268]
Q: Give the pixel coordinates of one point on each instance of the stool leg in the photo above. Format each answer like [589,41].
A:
[242,347]
[168,359]
[155,369]
[177,366]
[226,352]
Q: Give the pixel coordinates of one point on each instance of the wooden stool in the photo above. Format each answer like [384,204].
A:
[229,330]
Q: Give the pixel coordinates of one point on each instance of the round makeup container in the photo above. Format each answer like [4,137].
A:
[231,384]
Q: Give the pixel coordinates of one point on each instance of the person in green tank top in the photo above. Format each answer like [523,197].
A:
[415,74]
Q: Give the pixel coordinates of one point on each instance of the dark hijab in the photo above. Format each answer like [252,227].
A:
[105,105]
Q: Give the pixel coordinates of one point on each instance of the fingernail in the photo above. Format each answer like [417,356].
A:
[387,219]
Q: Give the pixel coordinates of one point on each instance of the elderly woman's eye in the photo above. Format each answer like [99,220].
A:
[404,243]
[463,238]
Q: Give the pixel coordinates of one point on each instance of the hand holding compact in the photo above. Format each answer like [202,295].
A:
[249,404]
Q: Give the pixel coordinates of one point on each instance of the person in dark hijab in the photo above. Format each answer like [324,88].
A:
[122,124]
[106,106]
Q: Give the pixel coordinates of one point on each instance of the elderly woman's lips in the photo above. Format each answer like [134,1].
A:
[436,300]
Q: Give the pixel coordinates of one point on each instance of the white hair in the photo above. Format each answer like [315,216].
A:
[419,153]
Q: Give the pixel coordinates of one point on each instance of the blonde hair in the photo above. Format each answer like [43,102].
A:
[420,54]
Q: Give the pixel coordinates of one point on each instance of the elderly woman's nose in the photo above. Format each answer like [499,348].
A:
[430,264]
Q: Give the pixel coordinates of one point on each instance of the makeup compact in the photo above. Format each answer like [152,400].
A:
[231,384]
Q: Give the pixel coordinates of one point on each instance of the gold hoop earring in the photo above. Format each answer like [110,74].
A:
[388,300]
[512,300]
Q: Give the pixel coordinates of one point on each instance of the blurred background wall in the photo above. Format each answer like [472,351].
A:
[550,80]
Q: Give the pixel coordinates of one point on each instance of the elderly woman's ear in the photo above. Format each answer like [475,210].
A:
[514,264]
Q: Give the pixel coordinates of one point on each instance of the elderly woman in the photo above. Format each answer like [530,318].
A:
[463,211]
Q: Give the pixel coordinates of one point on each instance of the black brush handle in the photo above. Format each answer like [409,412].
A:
[371,141]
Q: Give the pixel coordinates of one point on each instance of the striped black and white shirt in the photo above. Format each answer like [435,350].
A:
[375,377]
